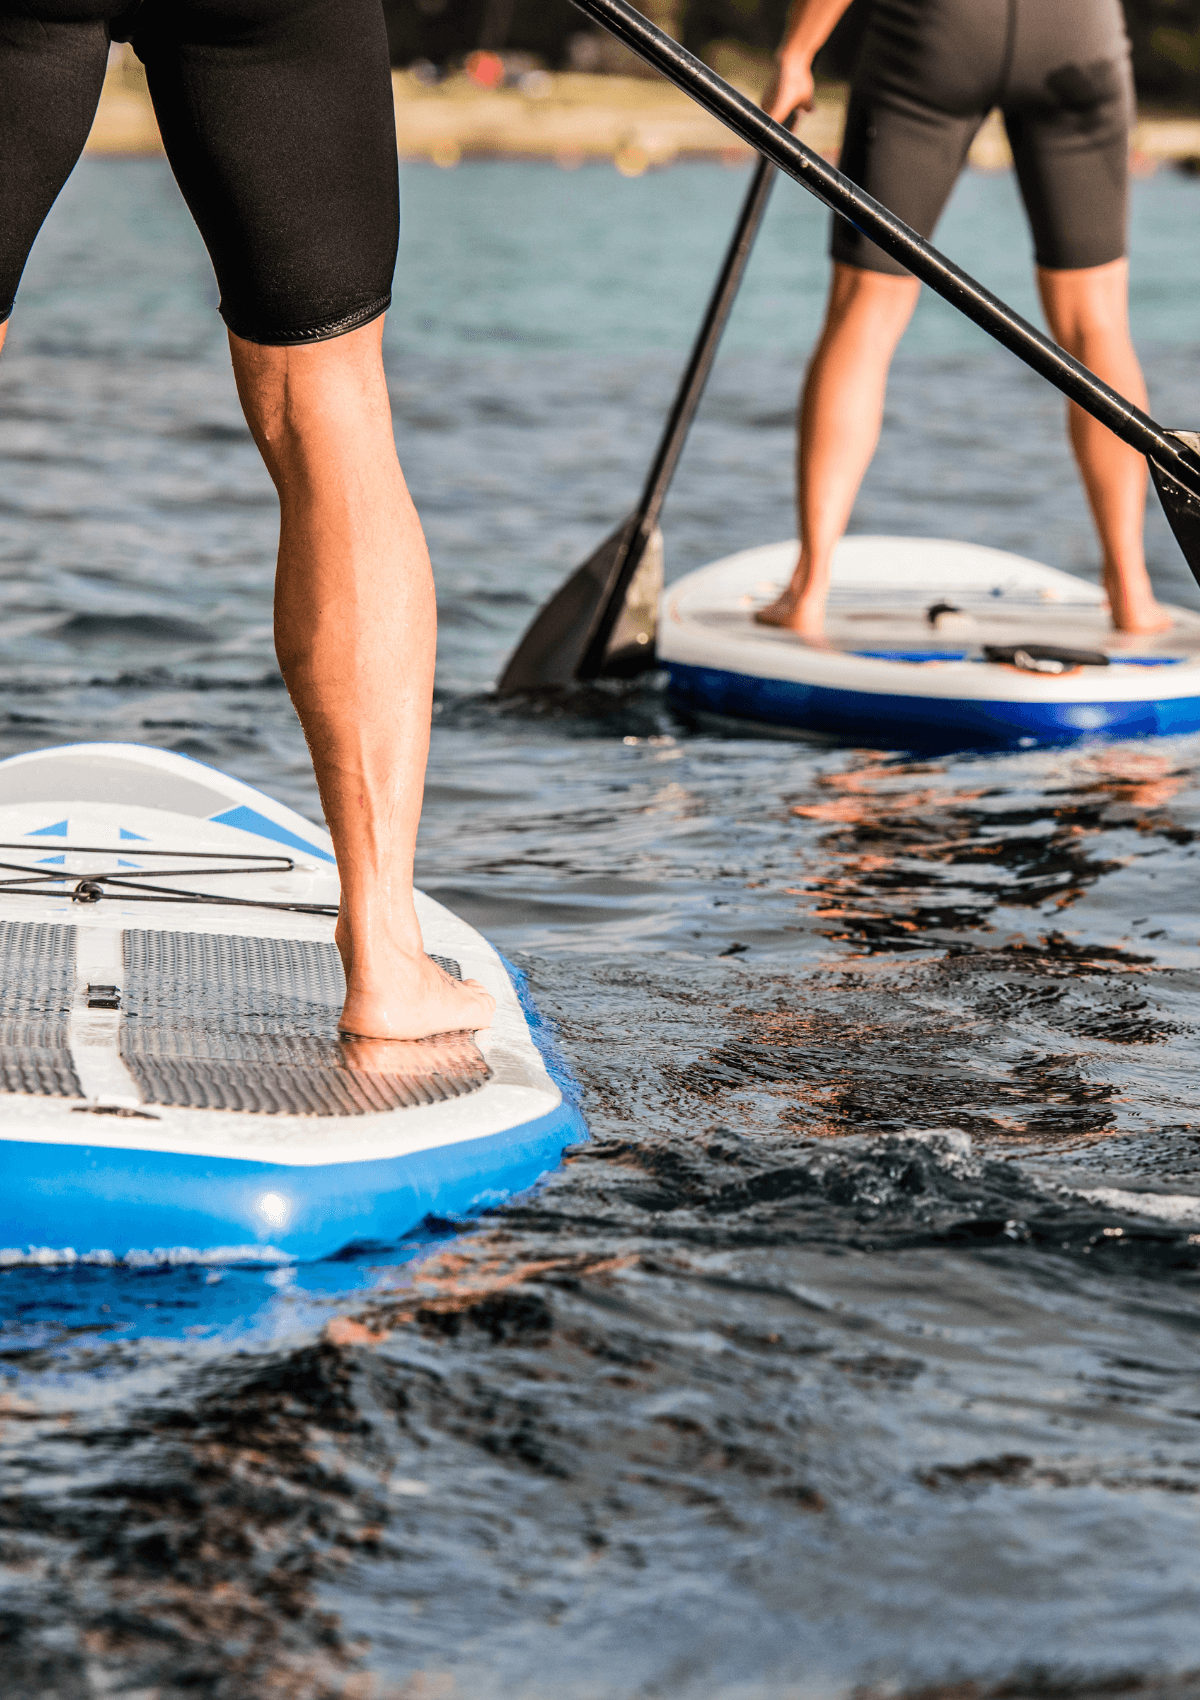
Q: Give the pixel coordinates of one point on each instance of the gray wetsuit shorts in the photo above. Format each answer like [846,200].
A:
[929,73]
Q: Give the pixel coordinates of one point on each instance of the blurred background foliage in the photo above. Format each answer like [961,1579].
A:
[737,36]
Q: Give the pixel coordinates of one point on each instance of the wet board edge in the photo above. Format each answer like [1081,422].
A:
[772,659]
[899,721]
[734,671]
[130,1200]
[124,1201]
[71,1174]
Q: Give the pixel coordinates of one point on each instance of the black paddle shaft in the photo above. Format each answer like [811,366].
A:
[1174,465]
[641,523]
[691,385]
[568,640]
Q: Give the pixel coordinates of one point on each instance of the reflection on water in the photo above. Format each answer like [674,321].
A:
[857,1350]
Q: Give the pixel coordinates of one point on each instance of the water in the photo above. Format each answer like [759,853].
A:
[857,1351]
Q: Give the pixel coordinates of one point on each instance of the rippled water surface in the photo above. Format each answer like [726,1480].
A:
[857,1351]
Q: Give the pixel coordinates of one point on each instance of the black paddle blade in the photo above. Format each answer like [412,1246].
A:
[627,648]
[1181,502]
[558,649]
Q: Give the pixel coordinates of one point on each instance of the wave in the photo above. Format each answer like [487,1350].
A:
[724,1190]
[162,1257]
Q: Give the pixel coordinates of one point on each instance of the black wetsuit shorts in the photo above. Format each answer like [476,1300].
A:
[929,73]
[278,123]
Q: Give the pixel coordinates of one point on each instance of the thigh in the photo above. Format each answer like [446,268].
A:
[906,158]
[1069,114]
[51,73]
[278,122]
[928,73]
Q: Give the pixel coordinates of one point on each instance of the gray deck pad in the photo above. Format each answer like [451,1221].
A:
[226,1022]
[37,965]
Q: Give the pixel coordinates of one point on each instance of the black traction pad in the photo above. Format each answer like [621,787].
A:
[218,1021]
[37,965]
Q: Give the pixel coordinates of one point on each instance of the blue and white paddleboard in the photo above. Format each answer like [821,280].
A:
[929,642]
[172,1084]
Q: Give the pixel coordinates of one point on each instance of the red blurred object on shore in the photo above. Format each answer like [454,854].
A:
[486,69]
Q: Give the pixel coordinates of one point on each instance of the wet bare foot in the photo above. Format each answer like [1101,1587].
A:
[1132,605]
[795,614]
[1142,622]
[452,1055]
[403,996]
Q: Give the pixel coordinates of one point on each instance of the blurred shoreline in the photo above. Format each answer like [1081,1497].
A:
[572,118]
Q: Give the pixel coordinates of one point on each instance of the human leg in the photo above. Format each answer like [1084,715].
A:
[906,151]
[841,412]
[278,122]
[355,631]
[1088,316]
[1069,110]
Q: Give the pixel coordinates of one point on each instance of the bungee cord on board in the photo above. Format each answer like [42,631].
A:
[90,888]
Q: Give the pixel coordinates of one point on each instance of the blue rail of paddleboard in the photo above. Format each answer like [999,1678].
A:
[103,1198]
[895,721]
[544,1034]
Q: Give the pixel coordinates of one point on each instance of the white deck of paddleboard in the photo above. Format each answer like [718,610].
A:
[130,799]
[881,588]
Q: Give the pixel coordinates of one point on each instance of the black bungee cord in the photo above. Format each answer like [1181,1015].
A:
[90,888]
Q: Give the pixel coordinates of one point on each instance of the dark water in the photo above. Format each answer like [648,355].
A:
[858,1352]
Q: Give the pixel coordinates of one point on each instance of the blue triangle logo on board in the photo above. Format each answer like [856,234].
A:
[123,832]
[57,860]
[58,830]
[121,862]
[249,820]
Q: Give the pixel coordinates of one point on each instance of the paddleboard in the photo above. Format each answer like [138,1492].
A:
[172,1083]
[930,642]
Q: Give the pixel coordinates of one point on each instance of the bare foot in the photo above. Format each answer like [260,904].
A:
[1142,621]
[1132,605]
[454,1056]
[795,614]
[403,996]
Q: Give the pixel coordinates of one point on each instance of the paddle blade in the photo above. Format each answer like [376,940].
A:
[630,646]
[551,654]
[1181,502]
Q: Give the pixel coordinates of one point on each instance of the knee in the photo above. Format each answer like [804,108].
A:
[302,402]
[1087,306]
[872,307]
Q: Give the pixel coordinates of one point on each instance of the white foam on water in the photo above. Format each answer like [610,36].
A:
[950,1139]
[51,1257]
[951,1147]
[1180,1207]
[172,1257]
[176,1256]
[408,1487]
